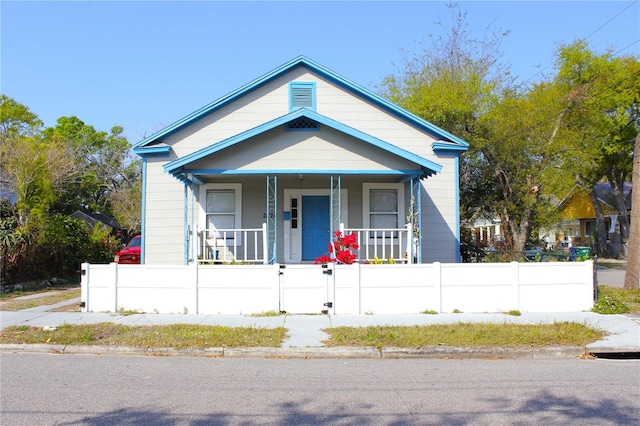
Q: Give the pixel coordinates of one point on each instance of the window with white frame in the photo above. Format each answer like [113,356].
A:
[221,209]
[383,205]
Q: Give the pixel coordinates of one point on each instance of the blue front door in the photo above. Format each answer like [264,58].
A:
[315,226]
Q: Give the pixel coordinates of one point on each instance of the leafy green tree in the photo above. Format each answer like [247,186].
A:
[515,151]
[33,169]
[55,172]
[601,121]
[459,84]
[453,81]
[16,119]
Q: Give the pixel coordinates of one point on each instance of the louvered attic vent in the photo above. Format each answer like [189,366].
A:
[302,95]
[302,123]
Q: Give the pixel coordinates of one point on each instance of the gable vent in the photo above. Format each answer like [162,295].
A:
[302,95]
[303,123]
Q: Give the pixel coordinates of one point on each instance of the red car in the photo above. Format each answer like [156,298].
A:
[131,253]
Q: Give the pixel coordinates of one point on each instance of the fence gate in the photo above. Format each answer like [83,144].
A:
[306,289]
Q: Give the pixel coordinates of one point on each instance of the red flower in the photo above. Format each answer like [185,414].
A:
[342,247]
[323,259]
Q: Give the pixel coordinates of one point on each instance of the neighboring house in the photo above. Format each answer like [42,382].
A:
[93,219]
[578,227]
[269,172]
[486,231]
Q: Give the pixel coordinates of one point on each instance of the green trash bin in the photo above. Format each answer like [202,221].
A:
[583,252]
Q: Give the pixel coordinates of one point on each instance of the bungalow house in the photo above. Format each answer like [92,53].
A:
[270,172]
[578,225]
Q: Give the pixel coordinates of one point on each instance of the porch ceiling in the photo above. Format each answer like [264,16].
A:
[412,164]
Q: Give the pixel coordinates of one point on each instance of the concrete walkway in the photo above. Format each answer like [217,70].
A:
[306,335]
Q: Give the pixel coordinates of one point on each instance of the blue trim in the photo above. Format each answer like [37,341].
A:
[175,167]
[236,172]
[185,226]
[447,146]
[457,201]
[152,151]
[316,68]
[143,219]
[302,85]
[193,218]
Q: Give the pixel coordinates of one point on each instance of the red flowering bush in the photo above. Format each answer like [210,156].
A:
[343,249]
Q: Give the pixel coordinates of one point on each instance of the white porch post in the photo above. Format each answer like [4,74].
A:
[265,245]
[194,243]
[410,243]
[415,208]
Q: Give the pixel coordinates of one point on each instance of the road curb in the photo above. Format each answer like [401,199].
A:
[343,352]
[440,352]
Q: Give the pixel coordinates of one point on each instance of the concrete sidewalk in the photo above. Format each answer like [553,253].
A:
[306,335]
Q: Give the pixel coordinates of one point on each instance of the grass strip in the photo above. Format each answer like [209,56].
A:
[15,304]
[177,336]
[630,298]
[465,334]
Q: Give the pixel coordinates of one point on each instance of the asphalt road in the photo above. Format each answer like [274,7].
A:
[612,277]
[46,389]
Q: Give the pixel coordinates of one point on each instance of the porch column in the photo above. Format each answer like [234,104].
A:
[272,223]
[415,213]
[190,236]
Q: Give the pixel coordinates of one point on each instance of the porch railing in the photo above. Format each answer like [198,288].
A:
[224,246]
[383,244]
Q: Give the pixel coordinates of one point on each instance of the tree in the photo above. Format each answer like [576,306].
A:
[600,123]
[34,170]
[16,120]
[453,80]
[632,275]
[37,172]
[106,174]
[516,151]
[55,172]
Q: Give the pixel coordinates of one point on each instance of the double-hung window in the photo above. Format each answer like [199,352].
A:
[221,205]
[383,207]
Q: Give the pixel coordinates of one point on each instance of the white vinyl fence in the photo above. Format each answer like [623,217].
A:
[339,289]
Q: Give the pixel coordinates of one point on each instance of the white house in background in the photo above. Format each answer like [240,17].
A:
[268,173]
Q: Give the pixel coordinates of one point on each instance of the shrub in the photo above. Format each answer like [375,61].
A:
[608,305]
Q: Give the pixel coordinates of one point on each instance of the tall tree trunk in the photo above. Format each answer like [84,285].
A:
[601,228]
[623,218]
[632,276]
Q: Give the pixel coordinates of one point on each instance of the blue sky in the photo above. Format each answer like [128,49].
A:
[143,65]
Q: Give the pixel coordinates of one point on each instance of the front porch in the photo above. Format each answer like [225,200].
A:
[249,246]
[301,214]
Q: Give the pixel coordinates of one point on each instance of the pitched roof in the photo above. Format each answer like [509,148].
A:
[177,166]
[451,142]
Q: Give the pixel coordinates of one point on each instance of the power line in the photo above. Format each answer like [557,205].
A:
[603,25]
[590,35]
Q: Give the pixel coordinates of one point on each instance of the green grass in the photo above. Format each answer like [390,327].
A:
[465,334]
[271,313]
[617,300]
[15,304]
[177,336]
